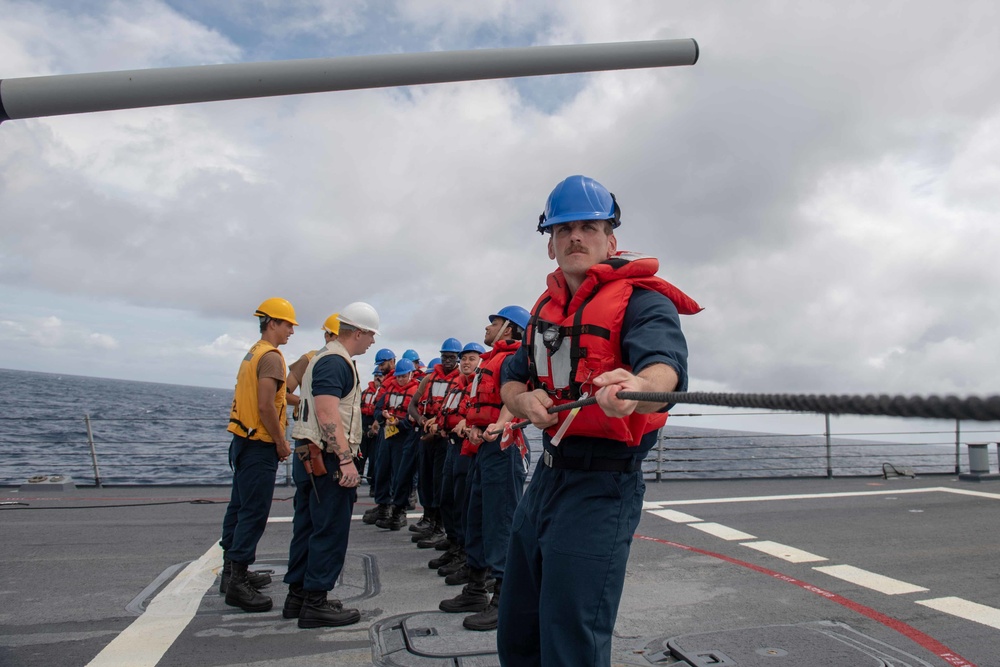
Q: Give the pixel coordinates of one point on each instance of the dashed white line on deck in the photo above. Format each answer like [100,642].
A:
[675,516]
[723,532]
[970,611]
[784,552]
[875,582]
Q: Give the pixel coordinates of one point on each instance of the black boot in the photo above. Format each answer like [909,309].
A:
[293,601]
[257,579]
[239,592]
[458,575]
[474,597]
[425,522]
[398,518]
[446,558]
[318,612]
[385,513]
[454,566]
[373,514]
[486,620]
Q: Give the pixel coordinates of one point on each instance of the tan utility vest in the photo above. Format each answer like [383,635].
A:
[307,425]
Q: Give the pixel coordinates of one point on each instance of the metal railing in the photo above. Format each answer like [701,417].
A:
[141,451]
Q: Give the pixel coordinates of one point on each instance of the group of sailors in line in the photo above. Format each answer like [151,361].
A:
[544,565]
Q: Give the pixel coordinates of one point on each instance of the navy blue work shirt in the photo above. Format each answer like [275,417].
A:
[332,376]
[651,333]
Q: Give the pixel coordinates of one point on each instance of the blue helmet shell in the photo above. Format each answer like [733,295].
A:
[404,366]
[474,347]
[385,354]
[411,355]
[451,345]
[579,198]
[515,314]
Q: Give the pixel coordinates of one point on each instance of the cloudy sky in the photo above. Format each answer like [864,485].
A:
[825,181]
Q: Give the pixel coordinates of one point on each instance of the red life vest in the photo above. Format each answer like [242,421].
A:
[484,392]
[436,389]
[572,340]
[452,406]
[397,398]
[368,399]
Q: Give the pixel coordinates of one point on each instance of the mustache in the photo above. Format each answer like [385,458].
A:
[575,247]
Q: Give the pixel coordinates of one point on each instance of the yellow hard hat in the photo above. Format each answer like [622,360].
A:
[332,324]
[277,309]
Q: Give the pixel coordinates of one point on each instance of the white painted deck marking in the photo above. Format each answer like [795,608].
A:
[724,532]
[970,611]
[784,552]
[876,582]
[143,643]
[675,516]
[279,519]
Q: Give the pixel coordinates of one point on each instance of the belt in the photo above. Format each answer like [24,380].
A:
[630,464]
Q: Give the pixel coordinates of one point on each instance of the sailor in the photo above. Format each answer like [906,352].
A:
[605,324]
[385,361]
[432,447]
[257,421]
[331,327]
[394,471]
[454,497]
[327,435]
[367,420]
[497,478]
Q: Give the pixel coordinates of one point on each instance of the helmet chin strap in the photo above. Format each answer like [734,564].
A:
[499,331]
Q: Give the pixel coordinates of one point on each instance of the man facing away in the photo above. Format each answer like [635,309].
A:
[331,328]
[257,421]
[605,324]
[327,434]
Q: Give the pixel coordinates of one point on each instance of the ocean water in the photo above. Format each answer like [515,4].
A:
[149,433]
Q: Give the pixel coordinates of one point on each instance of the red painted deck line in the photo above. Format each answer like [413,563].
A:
[925,640]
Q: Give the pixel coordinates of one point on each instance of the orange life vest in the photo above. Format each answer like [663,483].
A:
[484,392]
[368,399]
[572,340]
[437,388]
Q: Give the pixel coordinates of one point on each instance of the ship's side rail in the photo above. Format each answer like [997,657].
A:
[723,444]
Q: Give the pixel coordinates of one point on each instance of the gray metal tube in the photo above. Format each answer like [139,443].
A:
[31,97]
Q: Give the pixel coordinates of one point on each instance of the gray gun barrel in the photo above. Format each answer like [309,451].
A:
[32,97]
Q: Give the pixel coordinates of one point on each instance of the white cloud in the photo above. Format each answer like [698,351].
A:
[831,201]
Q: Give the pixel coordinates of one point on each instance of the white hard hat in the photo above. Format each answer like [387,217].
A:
[360,315]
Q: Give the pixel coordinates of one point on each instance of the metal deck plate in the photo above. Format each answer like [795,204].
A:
[432,639]
[818,644]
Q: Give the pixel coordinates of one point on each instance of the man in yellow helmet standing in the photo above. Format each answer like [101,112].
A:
[257,422]
[331,329]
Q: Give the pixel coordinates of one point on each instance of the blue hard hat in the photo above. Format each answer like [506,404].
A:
[451,345]
[515,314]
[579,198]
[404,366]
[385,354]
[377,372]
[411,355]
[474,347]
[434,362]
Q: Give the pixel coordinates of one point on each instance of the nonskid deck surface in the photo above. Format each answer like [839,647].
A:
[819,572]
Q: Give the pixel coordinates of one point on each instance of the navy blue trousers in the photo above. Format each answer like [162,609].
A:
[404,465]
[571,537]
[320,527]
[454,491]
[254,464]
[433,452]
[496,484]
[383,471]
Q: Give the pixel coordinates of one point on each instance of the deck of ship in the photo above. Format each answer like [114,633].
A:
[808,572]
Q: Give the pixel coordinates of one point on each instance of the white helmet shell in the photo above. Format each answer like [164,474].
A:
[360,315]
